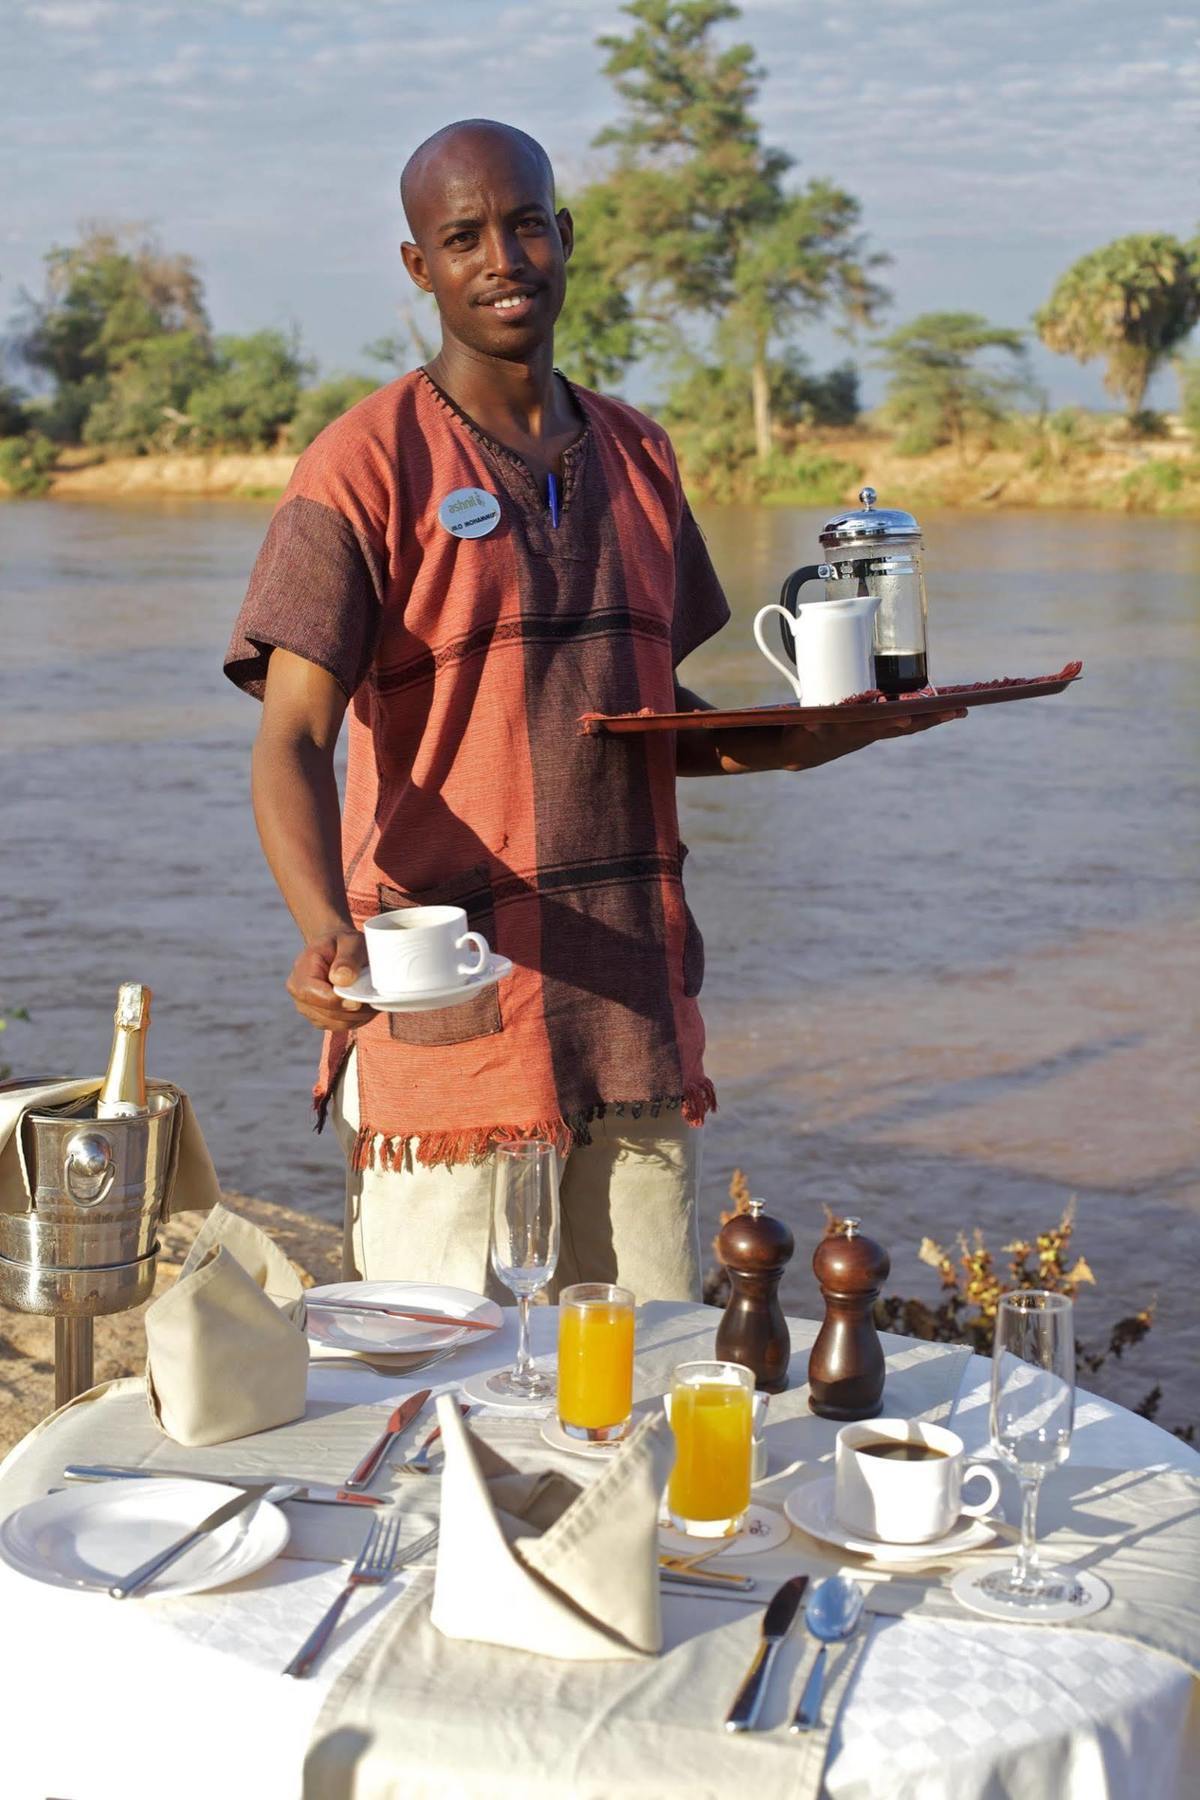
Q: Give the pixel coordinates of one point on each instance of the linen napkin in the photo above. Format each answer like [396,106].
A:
[193,1186]
[537,1563]
[226,1353]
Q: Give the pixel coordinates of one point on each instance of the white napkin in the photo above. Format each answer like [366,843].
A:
[226,1353]
[537,1563]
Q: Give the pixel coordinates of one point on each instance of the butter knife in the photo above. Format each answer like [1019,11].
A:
[399,1421]
[311,1493]
[144,1574]
[777,1622]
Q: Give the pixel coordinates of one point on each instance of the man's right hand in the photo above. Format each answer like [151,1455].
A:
[322,964]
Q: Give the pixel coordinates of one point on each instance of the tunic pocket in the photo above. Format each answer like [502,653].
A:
[475,1018]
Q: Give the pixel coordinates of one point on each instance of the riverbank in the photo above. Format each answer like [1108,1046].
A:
[1050,467]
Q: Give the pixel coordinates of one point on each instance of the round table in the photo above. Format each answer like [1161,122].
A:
[135,1700]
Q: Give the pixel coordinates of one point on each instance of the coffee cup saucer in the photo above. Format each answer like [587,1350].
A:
[810,1506]
[429,999]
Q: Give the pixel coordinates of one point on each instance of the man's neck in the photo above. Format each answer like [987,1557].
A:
[511,400]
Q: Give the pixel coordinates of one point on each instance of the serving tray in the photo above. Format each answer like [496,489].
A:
[858,710]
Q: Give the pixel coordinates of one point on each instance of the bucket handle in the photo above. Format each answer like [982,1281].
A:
[90,1169]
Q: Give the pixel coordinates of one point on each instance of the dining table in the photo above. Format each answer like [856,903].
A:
[185,1695]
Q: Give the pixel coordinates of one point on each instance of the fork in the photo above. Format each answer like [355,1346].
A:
[419,1463]
[376,1561]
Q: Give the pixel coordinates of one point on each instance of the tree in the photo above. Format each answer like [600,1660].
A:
[597,337]
[142,406]
[705,224]
[252,393]
[1131,302]
[938,393]
[14,415]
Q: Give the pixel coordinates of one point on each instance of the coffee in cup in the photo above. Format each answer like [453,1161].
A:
[901,1481]
[417,949]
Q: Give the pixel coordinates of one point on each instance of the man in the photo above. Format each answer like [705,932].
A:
[466,662]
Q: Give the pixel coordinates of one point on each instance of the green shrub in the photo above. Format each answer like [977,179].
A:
[251,395]
[25,463]
[1189,394]
[1153,487]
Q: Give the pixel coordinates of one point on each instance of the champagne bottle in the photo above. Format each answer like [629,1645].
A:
[123,1090]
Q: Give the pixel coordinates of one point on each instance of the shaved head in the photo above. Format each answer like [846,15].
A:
[465,144]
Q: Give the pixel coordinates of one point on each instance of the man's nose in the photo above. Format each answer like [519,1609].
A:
[505,252]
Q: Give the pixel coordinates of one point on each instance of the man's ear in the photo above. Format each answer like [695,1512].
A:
[566,231]
[414,261]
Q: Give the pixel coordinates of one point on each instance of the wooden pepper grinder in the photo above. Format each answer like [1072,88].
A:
[845,1367]
[753,1331]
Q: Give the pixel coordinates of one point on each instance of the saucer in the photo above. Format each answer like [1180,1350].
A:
[1094,1596]
[764,1529]
[429,999]
[810,1506]
[558,1439]
[476,1389]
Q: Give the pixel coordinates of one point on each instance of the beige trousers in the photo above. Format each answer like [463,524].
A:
[628,1204]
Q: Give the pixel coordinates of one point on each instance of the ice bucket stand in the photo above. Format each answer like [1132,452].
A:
[88,1245]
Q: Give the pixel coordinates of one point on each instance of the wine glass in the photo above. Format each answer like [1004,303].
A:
[1033,1406]
[524,1248]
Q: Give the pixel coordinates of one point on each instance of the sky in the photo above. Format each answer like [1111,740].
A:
[988,145]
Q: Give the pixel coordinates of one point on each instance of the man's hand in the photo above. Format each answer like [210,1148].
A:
[809,746]
[337,959]
[753,749]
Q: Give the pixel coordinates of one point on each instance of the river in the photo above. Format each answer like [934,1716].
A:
[952,982]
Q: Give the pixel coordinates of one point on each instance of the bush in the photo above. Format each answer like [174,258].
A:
[1152,487]
[1189,394]
[252,395]
[144,406]
[25,463]
[319,406]
[806,478]
[14,417]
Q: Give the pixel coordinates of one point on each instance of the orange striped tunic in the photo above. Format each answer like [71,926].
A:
[468,663]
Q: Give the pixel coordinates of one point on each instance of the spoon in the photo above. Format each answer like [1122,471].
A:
[832,1614]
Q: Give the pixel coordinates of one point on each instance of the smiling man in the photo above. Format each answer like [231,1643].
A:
[469,560]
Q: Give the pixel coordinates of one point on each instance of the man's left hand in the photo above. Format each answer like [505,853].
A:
[809,746]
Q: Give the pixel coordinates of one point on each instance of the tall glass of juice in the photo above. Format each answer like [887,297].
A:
[595,1360]
[712,1410]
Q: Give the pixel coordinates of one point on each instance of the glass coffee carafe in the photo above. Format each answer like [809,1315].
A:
[874,552]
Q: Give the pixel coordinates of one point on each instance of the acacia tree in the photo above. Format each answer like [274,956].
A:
[938,391]
[705,224]
[597,336]
[1131,302]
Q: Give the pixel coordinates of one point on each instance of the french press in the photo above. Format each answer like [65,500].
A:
[874,552]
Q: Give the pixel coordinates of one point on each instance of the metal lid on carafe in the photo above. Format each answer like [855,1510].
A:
[871,525]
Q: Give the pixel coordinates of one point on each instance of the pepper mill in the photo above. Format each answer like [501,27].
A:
[845,1366]
[753,1331]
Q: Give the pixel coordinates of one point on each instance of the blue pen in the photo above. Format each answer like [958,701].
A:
[552,495]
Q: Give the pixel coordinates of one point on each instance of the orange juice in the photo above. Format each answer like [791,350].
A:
[710,1481]
[595,1362]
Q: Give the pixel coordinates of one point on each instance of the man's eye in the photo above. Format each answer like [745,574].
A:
[534,222]
[458,240]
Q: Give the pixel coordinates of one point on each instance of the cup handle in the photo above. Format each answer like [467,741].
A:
[973,1510]
[482,951]
[792,675]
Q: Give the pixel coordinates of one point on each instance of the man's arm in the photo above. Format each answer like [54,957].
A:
[299,824]
[793,747]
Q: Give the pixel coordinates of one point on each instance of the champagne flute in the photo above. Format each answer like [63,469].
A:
[1033,1406]
[524,1248]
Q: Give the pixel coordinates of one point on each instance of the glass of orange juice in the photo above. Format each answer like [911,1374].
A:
[595,1360]
[712,1410]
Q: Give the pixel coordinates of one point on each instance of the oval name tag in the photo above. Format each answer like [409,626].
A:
[469,512]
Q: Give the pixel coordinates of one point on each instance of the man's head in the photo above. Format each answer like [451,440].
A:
[488,244]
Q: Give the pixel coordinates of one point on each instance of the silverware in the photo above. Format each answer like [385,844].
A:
[777,1622]
[311,1493]
[737,1584]
[832,1614]
[403,1416]
[144,1574]
[381,1366]
[419,1464]
[377,1559]
[398,1312]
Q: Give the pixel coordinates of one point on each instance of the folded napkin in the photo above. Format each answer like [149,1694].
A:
[535,1562]
[193,1186]
[226,1353]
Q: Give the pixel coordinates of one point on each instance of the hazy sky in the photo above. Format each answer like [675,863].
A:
[989,144]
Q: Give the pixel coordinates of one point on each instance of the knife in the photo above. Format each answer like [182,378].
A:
[777,1622]
[313,1494]
[736,1584]
[144,1574]
[399,1312]
[400,1419]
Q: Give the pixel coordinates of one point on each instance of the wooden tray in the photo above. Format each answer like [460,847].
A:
[849,712]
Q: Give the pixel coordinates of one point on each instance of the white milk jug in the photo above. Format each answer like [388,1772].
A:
[833,647]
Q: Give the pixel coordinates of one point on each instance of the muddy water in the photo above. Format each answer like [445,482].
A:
[951,982]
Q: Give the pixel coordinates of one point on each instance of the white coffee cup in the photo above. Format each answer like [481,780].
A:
[417,949]
[833,646]
[900,1502]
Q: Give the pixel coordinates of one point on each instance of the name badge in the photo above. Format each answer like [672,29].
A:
[469,512]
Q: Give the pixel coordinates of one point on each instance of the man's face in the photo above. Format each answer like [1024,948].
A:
[490,247]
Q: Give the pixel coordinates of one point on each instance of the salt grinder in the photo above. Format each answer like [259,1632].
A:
[753,1331]
[845,1367]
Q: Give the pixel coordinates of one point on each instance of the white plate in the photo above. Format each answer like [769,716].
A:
[598,1449]
[91,1536]
[764,1529]
[433,999]
[368,1331]
[476,1389]
[810,1506]
[1094,1597]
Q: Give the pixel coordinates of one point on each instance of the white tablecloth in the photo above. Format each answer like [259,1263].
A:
[184,1697]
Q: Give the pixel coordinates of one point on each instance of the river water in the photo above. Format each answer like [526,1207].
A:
[952,982]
